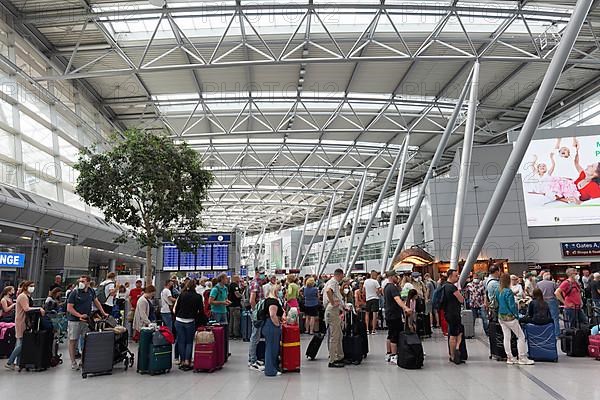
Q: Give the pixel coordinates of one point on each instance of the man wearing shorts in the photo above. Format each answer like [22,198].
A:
[452,300]
[393,315]
[372,291]
[79,308]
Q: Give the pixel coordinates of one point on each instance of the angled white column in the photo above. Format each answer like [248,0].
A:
[529,127]
[359,203]
[432,166]
[376,206]
[342,223]
[314,236]
[299,252]
[463,173]
[324,241]
[399,182]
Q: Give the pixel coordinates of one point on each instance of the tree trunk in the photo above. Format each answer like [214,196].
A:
[149,270]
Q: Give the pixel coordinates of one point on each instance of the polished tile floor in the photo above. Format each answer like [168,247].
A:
[479,379]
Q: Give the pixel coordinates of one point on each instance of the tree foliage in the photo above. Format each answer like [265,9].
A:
[149,184]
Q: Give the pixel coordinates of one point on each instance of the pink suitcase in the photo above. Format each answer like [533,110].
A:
[205,357]
[219,333]
[594,347]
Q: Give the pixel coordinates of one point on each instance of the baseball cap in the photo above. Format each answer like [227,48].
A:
[261,270]
[416,274]
[391,273]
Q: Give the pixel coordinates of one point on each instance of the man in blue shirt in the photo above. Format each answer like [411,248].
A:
[492,284]
[79,308]
[219,301]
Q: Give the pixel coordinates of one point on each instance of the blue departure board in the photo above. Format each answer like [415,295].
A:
[170,257]
[220,257]
[187,261]
[204,257]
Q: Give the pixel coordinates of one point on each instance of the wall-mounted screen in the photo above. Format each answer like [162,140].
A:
[220,256]
[212,255]
[561,181]
[170,257]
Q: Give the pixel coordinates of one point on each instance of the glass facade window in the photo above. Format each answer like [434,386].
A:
[69,174]
[66,126]
[6,113]
[67,150]
[73,200]
[34,183]
[8,173]
[35,130]
[7,144]
[37,161]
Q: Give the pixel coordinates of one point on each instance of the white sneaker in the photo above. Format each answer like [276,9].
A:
[525,361]
[75,366]
[255,366]
[278,373]
[261,363]
[511,361]
[393,359]
[388,357]
[10,367]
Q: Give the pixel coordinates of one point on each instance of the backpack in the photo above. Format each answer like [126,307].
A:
[101,292]
[257,314]
[437,300]
[493,301]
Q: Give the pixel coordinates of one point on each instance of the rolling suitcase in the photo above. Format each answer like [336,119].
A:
[313,347]
[205,353]
[468,323]
[219,333]
[8,341]
[352,343]
[410,351]
[290,348]
[97,357]
[496,338]
[246,325]
[574,342]
[155,354]
[360,329]
[541,342]
[36,353]
[424,326]
[594,346]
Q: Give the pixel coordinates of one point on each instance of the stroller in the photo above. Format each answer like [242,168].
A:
[121,352]
[59,323]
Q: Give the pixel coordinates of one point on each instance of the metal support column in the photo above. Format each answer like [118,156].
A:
[376,206]
[314,236]
[342,222]
[432,166]
[356,219]
[299,252]
[463,173]
[530,125]
[399,182]
[324,241]
[112,265]
[256,249]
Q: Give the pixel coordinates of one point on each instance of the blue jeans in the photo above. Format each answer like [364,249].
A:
[573,316]
[219,318]
[16,352]
[185,339]
[167,319]
[553,305]
[479,312]
[273,337]
[254,339]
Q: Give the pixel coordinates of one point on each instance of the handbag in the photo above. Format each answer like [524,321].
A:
[204,337]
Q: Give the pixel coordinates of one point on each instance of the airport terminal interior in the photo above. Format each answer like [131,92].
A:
[394,177]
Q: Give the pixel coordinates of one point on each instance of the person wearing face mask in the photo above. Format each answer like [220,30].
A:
[256,295]
[476,293]
[23,304]
[7,306]
[79,308]
[141,317]
[569,294]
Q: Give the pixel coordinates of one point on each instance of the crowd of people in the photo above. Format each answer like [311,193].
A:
[391,300]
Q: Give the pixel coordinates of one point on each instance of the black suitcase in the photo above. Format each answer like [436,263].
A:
[314,345]
[424,326]
[37,350]
[353,349]
[98,351]
[496,339]
[574,342]
[410,351]
[7,344]
[360,329]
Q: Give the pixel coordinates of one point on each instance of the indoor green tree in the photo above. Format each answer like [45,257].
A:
[149,184]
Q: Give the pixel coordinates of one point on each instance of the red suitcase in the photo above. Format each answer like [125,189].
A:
[219,333]
[594,346]
[205,357]
[290,348]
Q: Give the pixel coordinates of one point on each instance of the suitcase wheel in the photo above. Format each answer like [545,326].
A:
[84,376]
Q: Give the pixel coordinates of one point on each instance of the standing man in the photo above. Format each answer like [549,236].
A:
[166,305]
[476,293]
[452,301]
[492,286]
[393,315]
[332,301]
[79,308]
[135,294]
[372,291]
[218,300]
[569,294]
[107,292]
[256,296]
[57,284]
[235,308]
[548,287]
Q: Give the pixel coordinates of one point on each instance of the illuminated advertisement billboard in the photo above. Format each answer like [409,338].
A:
[561,181]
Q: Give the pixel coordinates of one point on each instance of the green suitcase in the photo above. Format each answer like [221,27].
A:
[153,359]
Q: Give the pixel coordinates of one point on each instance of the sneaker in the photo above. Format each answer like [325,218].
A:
[388,356]
[254,366]
[525,361]
[75,366]
[10,367]
[393,359]
[278,373]
[261,363]
[511,361]
[336,365]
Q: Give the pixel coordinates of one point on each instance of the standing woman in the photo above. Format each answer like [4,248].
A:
[508,317]
[272,315]
[189,312]
[7,306]
[23,304]
[311,305]
[293,292]
[141,317]
[359,297]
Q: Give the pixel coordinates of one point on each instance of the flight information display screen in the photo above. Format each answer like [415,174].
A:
[220,257]
[187,261]
[170,257]
[204,256]
[213,255]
